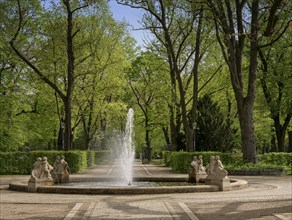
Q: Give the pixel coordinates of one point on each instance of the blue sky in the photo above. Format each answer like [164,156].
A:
[131,16]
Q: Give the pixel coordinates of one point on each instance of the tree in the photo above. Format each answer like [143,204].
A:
[215,131]
[274,80]
[103,80]
[177,27]
[232,32]
[146,78]
[27,13]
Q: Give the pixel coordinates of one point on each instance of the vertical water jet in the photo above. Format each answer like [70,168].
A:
[128,149]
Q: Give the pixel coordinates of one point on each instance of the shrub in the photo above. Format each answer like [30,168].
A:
[90,155]
[166,157]
[180,161]
[276,158]
[22,162]
[77,160]
[102,156]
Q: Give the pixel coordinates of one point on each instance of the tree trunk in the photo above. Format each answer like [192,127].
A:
[166,136]
[281,140]
[247,133]
[174,122]
[70,75]
[60,141]
[273,144]
[86,133]
[147,132]
[290,142]
[193,120]
[68,125]
[281,130]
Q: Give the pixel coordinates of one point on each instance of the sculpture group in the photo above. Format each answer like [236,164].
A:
[213,173]
[43,174]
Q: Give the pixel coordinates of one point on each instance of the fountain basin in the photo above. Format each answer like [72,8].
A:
[108,188]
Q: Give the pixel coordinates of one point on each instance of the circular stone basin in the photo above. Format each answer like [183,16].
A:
[153,185]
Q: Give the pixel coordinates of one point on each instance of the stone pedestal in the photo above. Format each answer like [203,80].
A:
[61,177]
[223,183]
[196,177]
[33,184]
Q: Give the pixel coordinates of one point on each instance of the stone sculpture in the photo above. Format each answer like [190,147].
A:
[201,168]
[43,174]
[216,174]
[40,175]
[46,169]
[197,170]
[60,172]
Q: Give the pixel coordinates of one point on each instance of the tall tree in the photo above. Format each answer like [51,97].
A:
[177,27]
[274,80]
[147,82]
[28,14]
[102,80]
[26,102]
[216,132]
[236,22]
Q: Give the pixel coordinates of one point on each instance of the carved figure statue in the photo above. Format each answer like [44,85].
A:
[64,164]
[210,166]
[219,168]
[201,168]
[37,169]
[60,173]
[46,169]
[40,175]
[57,165]
[194,166]
[41,169]
[197,170]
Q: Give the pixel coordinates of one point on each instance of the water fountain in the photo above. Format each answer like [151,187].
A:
[128,149]
[120,181]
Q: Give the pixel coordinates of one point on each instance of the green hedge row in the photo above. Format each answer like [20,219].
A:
[22,162]
[98,157]
[180,161]
[276,158]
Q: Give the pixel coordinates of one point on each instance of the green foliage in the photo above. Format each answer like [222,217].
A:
[180,161]
[97,157]
[30,111]
[77,161]
[147,78]
[90,158]
[102,156]
[22,162]
[276,158]
[166,156]
[15,163]
[215,131]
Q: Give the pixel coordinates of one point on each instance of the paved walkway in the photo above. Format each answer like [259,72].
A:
[266,198]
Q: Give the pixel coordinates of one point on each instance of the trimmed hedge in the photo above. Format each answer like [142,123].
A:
[166,156]
[180,161]
[22,162]
[276,158]
[102,156]
[90,158]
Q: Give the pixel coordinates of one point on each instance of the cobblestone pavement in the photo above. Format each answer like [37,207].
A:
[266,198]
